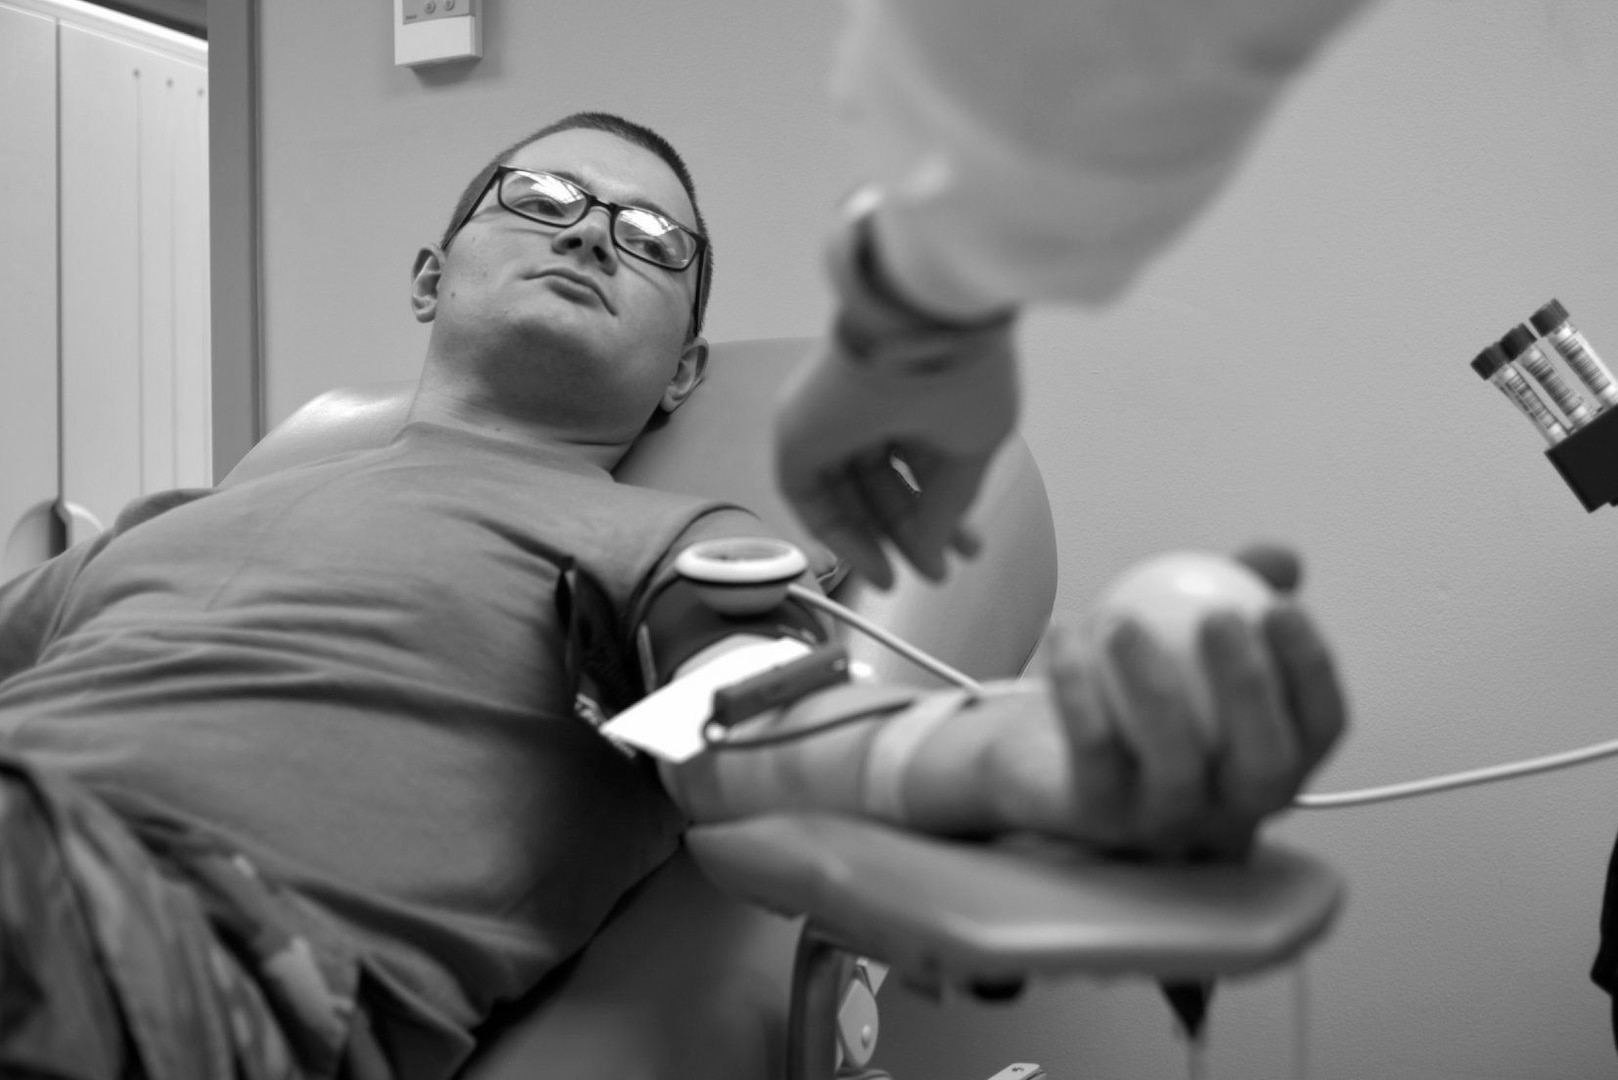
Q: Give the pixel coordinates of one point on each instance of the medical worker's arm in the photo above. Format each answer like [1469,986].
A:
[1058,756]
[1020,152]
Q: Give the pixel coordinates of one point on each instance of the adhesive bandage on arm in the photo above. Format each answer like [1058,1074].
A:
[896,745]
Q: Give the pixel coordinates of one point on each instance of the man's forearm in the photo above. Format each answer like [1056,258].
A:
[949,780]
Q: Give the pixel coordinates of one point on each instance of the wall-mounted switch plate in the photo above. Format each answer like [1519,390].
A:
[436,31]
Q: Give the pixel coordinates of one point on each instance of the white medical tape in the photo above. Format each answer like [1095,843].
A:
[882,785]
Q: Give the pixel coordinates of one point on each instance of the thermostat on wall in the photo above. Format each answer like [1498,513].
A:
[434,31]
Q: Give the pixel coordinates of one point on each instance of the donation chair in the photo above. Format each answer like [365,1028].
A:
[735,958]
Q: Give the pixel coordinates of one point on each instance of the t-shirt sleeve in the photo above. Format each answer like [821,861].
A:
[31,603]
[1034,150]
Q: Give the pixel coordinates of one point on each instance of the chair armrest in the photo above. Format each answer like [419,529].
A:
[683,981]
[990,915]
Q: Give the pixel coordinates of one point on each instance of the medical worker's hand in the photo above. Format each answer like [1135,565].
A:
[890,382]
[1146,778]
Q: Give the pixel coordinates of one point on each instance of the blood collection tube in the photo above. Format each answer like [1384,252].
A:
[1552,321]
[1521,348]
[1491,364]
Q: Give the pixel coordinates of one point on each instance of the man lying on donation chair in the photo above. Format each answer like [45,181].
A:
[301,776]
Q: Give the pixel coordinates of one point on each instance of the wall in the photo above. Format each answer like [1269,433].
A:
[362,161]
[1295,368]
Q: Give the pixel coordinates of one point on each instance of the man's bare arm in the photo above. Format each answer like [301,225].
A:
[827,770]
[1059,756]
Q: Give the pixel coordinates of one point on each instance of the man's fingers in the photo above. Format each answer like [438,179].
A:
[1099,768]
[1258,767]
[1228,839]
[1275,563]
[1309,680]
[1160,732]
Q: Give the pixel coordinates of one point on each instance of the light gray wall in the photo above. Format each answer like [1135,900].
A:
[234,262]
[1295,368]
[362,161]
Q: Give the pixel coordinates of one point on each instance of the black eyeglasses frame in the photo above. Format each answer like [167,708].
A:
[591,201]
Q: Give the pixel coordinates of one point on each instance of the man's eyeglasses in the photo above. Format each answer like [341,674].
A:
[636,231]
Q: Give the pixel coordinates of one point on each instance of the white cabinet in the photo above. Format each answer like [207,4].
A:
[29,462]
[104,367]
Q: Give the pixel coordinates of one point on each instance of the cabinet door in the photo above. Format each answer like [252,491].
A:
[28,345]
[134,258]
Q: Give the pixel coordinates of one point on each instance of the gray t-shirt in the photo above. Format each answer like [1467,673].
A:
[351,671]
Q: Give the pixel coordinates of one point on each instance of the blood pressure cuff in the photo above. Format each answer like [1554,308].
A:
[612,667]
[676,624]
[595,649]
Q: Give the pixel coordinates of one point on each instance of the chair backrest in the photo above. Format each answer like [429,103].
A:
[683,975]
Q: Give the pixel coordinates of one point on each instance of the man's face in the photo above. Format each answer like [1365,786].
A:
[558,318]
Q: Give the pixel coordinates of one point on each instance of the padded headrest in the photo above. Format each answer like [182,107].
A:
[716,445]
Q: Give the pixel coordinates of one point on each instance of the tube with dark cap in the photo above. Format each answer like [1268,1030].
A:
[1553,322]
[1521,347]
[1491,364]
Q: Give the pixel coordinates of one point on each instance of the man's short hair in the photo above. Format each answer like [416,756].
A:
[629,131]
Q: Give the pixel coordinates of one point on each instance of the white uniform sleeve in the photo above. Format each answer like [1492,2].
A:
[1031,150]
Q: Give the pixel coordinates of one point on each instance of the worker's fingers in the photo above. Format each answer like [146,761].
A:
[966,541]
[892,506]
[834,511]
[949,486]
[923,524]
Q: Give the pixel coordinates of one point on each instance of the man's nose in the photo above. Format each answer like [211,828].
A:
[591,235]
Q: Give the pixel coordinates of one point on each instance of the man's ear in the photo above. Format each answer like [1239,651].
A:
[424,278]
[693,362]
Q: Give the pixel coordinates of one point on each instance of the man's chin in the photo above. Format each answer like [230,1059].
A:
[566,329]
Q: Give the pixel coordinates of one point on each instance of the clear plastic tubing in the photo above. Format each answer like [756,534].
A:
[1491,365]
[1521,348]
[1552,321]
